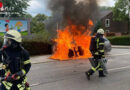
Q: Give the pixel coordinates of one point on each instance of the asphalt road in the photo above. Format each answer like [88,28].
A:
[69,75]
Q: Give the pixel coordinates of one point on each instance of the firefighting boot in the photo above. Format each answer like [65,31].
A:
[87,75]
[101,74]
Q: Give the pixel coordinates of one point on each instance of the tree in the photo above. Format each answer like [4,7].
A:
[40,17]
[97,26]
[27,15]
[16,7]
[121,10]
[37,23]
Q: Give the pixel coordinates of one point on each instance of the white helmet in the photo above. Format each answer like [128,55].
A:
[14,35]
[100,31]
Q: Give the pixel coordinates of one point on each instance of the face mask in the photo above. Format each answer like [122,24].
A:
[99,35]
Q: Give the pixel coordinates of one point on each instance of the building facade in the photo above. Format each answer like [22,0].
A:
[111,26]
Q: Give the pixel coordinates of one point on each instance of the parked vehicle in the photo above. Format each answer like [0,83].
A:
[107,45]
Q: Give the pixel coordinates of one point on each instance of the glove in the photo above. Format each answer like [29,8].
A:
[11,77]
[15,77]
[27,84]
[8,77]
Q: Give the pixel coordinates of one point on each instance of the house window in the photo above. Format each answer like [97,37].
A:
[107,23]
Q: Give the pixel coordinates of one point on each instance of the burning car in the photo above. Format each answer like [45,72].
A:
[73,20]
[73,42]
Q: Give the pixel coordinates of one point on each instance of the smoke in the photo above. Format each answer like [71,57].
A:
[66,12]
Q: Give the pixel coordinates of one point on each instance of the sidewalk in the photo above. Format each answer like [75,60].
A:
[45,58]
[41,59]
[121,47]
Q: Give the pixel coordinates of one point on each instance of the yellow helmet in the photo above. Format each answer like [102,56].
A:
[14,35]
[100,31]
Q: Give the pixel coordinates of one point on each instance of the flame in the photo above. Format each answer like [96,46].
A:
[73,42]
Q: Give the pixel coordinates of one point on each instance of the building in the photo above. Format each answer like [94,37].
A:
[111,26]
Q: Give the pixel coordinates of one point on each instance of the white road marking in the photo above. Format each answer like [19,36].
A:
[120,68]
[119,54]
[35,84]
[114,69]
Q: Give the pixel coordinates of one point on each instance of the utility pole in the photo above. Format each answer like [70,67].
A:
[129,21]
[128,17]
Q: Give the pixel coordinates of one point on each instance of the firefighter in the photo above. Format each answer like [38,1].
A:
[16,63]
[98,54]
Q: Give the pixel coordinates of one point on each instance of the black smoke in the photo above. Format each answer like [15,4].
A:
[66,12]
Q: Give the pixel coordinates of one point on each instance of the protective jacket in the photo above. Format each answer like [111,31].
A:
[97,47]
[15,61]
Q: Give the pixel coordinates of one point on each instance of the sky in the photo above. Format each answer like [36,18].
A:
[40,6]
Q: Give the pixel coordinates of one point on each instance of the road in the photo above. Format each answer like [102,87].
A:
[69,75]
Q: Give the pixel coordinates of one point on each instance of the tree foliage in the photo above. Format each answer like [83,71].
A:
[97,26]
[40,17]
[37,23]
[17,7]
[27,15]
[121,10]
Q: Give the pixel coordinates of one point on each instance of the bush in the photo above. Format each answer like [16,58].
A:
[110,34]
[37,45]
[38,37]
[37,48]
[122,40]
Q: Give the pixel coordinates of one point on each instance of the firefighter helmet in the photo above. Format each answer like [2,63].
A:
[100,31]
[14,35]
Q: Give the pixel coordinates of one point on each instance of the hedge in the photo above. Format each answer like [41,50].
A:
[38,44]
[120,40]
[35,47]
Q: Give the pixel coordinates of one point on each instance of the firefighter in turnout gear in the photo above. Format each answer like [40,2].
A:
[97,50]
[16,63]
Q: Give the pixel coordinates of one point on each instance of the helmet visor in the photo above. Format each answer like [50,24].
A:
[6,42]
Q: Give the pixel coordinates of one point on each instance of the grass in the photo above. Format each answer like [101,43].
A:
[1,34]
[23,33]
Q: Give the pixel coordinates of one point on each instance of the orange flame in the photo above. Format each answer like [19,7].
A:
[73,42]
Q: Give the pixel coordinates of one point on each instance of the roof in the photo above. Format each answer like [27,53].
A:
[104,13]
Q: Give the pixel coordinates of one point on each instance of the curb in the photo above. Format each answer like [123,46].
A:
[47,60]
[41,59]
[122,47]
[42,62]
